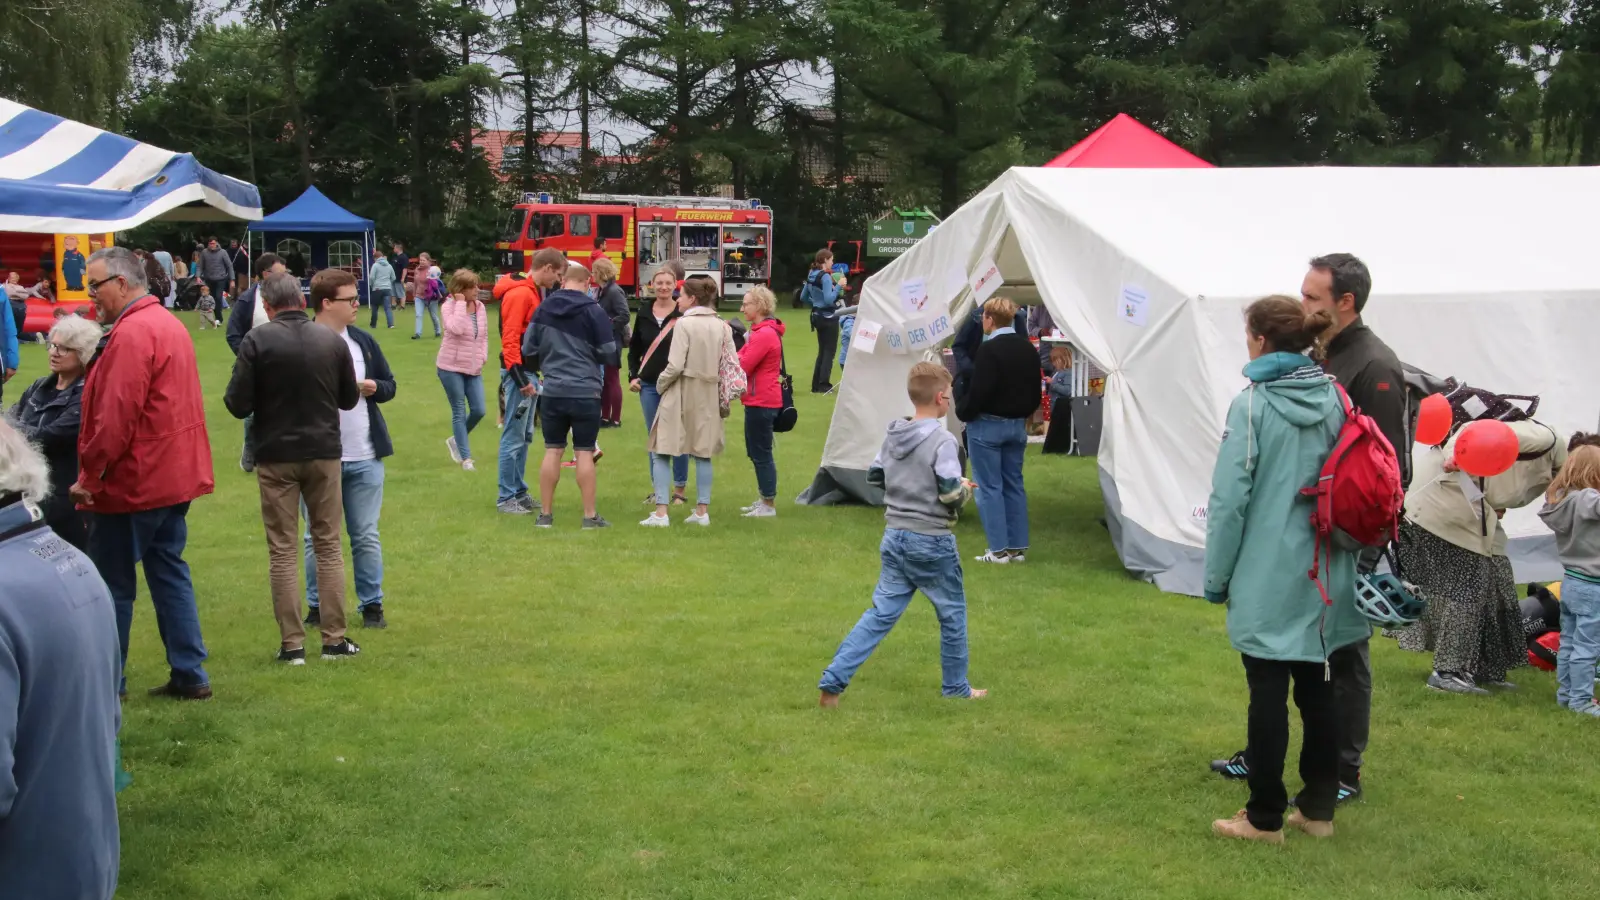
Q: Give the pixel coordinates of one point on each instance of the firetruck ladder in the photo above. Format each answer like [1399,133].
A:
[671,202]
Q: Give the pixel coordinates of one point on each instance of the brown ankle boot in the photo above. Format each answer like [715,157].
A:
[1239,827]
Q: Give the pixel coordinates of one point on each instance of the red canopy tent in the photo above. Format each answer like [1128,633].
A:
[1125,143]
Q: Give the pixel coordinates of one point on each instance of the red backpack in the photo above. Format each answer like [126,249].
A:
[1358,493]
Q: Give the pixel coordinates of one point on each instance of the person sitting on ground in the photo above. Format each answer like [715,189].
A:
[50,414]
[920,474]
[59,716]
[1572,511]
[689,420]
[568,342]
[1259,542]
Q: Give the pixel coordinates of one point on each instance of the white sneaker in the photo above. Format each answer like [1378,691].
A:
[466,464]
[745,509]
[455,452]
[701,519]
[999,559]
[655,521]
[761,511]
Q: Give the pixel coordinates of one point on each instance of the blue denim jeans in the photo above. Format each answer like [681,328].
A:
[1580,643]
[514,439]
[433,313]
[660,464]
[995,448]
[650,401]
[382,297]
[361,485]
[911,562]
[466,406]
[758,446]
[156,538]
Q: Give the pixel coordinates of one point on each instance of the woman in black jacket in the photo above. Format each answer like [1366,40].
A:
[50,414]
[1003,393]
[644,366]
[615,303]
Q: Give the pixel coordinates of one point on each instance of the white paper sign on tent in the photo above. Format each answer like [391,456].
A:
[985,281]
[939,327]
[895,340]
[918,336]
[1133,304]
[865,337]
[914,296]
[955,279]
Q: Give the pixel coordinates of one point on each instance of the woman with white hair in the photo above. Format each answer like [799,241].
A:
[50,414]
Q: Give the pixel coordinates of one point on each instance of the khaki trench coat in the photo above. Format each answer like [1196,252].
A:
[689,419]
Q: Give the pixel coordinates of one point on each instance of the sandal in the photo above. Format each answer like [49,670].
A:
[679,499]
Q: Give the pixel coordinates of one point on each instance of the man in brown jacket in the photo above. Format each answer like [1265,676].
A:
[294,376]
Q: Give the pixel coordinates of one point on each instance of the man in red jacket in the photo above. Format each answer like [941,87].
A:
[143,456]
[519,296]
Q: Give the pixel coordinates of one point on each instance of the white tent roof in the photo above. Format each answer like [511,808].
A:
[1481,274]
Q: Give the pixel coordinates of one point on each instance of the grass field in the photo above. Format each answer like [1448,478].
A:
[568,714]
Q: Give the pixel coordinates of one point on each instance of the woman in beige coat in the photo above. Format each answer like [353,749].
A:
[689,420]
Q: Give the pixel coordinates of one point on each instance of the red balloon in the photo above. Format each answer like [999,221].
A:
[1486,448]
[1434,420]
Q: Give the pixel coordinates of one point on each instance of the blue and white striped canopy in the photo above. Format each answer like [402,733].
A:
[63,177]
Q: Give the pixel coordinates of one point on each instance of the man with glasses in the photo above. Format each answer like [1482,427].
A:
[143,456]
[364,442]
[295,376]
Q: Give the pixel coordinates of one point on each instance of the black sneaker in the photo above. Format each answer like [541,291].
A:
[1234,768]
[313,616]
[1348,793]
[293,657]
[544,521]
[340,650]
[596,521]
[372,616]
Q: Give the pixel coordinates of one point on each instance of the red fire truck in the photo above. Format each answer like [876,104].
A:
[729,240]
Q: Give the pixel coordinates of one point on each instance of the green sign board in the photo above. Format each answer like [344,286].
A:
[893,235]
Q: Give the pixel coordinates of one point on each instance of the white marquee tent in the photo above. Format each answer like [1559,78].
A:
[1481,274]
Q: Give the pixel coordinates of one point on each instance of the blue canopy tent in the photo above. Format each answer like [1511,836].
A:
[58,176]
[331,235]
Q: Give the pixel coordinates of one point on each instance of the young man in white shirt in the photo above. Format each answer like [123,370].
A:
[365,443]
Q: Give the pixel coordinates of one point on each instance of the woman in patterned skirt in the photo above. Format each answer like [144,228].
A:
[1453,547]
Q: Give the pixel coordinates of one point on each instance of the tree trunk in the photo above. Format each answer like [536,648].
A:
[466,60]
[291,95]
[525,60]
[584,71]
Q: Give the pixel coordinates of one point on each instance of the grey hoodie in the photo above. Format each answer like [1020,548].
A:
[919,469]
[1575,519]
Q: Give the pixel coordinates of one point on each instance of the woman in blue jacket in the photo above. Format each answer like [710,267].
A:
[821,293]
[1259,546]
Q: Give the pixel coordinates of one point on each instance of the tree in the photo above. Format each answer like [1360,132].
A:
[70,57]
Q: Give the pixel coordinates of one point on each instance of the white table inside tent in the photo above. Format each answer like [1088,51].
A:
[1088,383]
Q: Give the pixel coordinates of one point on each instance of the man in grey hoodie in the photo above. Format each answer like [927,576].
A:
[216,270]
[567,343]
[59,665]
[920,473]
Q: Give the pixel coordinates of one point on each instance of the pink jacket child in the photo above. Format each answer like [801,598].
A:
[466,336]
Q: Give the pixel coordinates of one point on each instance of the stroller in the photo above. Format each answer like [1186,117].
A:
[188,290]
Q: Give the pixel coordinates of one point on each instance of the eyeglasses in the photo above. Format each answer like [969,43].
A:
[94,286]
[61,348]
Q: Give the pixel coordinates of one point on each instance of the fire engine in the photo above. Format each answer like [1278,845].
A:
[729,240]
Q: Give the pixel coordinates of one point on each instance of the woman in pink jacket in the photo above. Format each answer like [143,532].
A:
[762,361]
[461,356]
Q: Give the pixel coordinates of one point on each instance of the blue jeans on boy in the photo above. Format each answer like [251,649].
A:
[650,401]
[433,313]
[758,446]
[911,562]
[514,439]
[660,463]
[1580,643]
[466,406]
[382,297]
[361,484]
[155,537]
[995,447]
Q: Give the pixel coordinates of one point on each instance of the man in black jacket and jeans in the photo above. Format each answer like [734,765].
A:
[295,376]
[1371,374]
[247,314]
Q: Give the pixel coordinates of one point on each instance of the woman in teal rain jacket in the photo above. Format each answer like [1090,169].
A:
[1259,548]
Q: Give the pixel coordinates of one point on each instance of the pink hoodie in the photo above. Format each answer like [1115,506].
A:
[466,336]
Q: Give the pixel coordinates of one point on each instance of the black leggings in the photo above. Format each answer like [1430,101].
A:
[1269,740]
[827,348]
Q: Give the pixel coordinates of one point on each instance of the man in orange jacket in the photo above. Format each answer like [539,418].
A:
[519,295]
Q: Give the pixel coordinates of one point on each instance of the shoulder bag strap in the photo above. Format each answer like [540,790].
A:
[665,329]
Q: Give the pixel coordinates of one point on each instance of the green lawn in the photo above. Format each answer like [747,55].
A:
[633,714]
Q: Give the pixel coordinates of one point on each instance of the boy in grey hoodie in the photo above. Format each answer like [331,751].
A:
[920,473]
[1572,511]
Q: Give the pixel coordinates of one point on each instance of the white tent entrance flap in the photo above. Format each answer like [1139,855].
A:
[1148,271]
